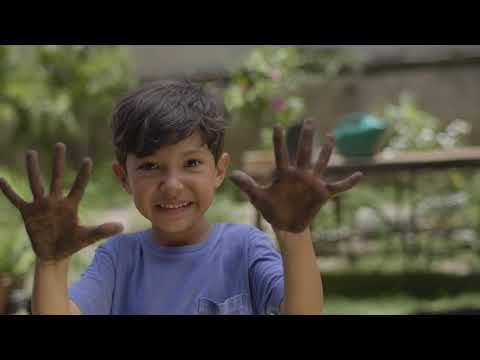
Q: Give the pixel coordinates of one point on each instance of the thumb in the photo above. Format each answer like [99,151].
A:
[92,234]
[245,183]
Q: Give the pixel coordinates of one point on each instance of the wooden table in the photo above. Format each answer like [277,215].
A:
[260,164]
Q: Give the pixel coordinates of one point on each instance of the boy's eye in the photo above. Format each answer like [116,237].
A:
[148,166]
[193,163]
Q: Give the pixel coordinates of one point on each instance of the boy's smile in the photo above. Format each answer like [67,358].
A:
[174,210]
[174,187]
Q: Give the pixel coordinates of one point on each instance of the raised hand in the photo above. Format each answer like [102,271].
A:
[297,191]
[52,220]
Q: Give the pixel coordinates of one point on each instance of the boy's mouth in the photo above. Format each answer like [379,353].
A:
[174,207]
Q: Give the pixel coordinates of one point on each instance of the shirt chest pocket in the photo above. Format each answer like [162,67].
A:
[235,305]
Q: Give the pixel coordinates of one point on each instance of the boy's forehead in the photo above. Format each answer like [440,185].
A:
[194,142]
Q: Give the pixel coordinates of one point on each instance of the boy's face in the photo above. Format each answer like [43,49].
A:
[175,186]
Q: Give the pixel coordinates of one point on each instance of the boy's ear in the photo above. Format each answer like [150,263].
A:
[222,167]
[121,175]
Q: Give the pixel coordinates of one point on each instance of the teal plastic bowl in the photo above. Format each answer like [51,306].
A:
[359,134]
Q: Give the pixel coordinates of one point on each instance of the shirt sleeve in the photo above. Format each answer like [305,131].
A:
[265,269]
[93,292]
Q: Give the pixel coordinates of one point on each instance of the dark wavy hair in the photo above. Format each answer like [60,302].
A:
[164,113]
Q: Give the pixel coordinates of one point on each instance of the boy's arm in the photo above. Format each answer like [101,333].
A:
[303,284]
[289,204]
[50,293]
[53,227]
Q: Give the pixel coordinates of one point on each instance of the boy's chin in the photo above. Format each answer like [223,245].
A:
[172,227]
[176,228]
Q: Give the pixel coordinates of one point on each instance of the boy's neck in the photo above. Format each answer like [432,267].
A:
[194,235]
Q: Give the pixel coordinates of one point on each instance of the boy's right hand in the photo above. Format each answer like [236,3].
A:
[51,220]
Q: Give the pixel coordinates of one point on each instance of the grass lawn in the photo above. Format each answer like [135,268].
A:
[399,293]
[400,305]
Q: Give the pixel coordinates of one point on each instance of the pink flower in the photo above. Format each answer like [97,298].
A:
[276,75]
[243,88]
[279,104]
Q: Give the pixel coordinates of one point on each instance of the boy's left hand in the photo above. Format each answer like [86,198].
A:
[297,191]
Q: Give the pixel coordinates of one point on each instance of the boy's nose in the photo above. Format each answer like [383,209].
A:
[171,186]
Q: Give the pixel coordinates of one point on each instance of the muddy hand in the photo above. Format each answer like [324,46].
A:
[51,220]
[298,191]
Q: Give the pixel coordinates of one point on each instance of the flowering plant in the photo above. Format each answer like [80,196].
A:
[414,129]
[261,90]
[264,90]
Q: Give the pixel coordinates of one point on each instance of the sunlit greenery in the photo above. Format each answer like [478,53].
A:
[51,93]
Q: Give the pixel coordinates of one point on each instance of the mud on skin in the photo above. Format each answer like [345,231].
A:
[297,191]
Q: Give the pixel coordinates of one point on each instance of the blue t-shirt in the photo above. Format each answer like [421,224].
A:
[235,271]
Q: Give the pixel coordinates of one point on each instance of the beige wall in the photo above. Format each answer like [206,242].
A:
[446,93]
[157,61]
[153,61]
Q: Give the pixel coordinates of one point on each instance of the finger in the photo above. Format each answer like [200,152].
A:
[281,152]
[34,177]
[345,184]
[92,234]
[325,154]
[81,181]
[305,145]
[246,184]
[11,195]
[56,186]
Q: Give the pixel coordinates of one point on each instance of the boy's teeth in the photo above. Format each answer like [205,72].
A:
[173,206]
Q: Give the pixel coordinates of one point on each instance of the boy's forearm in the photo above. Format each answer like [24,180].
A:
[50,288]
[303,284]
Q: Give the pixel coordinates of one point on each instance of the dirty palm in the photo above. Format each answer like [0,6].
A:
[51,220]
[297,191]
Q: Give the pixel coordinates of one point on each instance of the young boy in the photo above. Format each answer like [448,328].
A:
[168,138]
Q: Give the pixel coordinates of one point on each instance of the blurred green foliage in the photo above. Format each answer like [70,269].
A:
[412,128]
[51,93]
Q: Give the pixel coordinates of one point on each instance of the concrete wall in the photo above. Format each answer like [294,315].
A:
[153,61]
[158,61]
[447,93]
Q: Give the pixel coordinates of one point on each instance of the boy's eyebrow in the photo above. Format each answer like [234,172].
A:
[201,148]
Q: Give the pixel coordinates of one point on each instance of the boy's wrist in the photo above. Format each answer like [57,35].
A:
[52,264]
[286,237]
